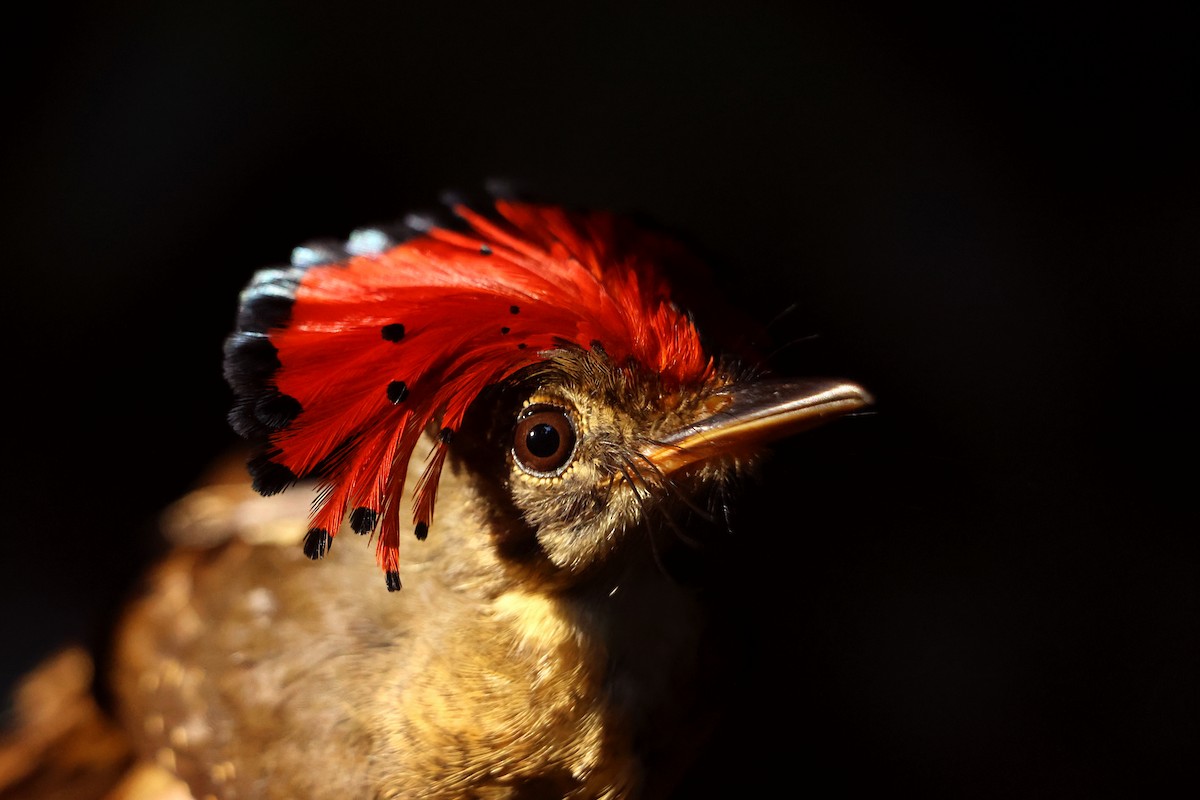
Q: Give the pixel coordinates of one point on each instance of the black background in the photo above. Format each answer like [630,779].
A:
[986,589]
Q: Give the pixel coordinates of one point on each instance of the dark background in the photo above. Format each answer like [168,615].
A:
[989,588]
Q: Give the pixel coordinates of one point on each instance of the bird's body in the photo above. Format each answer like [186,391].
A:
[253,672]
[549,641]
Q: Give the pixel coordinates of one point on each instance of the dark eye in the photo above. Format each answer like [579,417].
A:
[544,440]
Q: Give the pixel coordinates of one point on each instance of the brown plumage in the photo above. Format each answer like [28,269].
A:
[553,659]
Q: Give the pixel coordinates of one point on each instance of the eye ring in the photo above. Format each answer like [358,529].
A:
[544,440]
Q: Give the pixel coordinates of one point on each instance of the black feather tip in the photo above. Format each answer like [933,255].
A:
[363,520]
[317,543]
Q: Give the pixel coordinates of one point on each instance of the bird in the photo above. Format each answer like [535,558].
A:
[527,388]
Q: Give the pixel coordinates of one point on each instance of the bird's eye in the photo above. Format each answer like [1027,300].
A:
[544,440]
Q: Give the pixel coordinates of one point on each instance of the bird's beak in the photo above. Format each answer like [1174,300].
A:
[758,413]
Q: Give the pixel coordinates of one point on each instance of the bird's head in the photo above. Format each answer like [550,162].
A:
[579,450]
[542,352]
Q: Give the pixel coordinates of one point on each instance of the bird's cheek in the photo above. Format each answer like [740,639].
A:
[573,548]
[563,527]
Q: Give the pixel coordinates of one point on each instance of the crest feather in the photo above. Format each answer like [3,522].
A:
[341,361]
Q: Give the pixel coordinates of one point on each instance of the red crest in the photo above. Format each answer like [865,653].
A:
[342,360]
